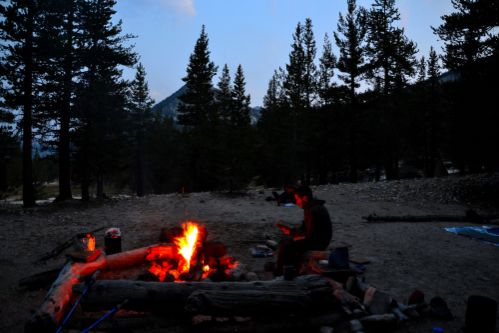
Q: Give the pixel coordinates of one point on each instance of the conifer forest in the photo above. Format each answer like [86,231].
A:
[68,115]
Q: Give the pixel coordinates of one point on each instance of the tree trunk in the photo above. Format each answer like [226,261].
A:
[64,141]
[172,297]
[28,189]
[100,185]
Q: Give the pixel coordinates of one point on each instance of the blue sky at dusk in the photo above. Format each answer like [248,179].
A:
[254,33]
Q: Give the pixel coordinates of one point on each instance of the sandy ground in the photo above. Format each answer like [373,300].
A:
[404,256]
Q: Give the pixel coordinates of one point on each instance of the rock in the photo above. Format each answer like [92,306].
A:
[326,329]
[376,301]
[272,244]
[250,276]
[237,273]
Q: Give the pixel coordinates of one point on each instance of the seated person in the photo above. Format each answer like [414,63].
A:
[315,233]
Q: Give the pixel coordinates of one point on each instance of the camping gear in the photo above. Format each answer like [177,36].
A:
[84,242]
[417,297]
[117,308]
[484,234]
[339,258]
[112,241]
[439,309]
[289,272]
[480,314]
[88,283]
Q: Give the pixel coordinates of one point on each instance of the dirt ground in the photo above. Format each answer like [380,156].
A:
[404,256]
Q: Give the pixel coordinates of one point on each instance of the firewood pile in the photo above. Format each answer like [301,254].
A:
[207,290]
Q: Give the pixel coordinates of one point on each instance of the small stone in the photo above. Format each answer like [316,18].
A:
[326,329]
[250,276]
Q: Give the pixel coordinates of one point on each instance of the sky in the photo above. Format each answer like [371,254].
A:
[254,33]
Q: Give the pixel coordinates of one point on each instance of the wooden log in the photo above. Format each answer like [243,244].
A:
[252,303]
[62,247]
[40,280]
[276,324]
[142,255]
[160,297]
[48,315]
[429,218]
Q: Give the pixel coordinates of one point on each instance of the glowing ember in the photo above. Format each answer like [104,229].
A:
[187,245]
[206,268]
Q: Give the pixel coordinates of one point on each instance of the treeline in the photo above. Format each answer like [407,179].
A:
[61,65]
[317,130]
[62,87]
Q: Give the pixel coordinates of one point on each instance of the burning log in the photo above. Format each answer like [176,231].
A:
[47,316]
[158,296]
[140,256]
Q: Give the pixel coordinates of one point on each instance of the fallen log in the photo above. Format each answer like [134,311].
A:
[62,247]
[287,324]
[164,296]
[430,218]
[47,316]
[252,303]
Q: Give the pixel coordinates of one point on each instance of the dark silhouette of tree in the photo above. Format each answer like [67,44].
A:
[391,60]
[472,50]
[21,47]
[101,94]
[198,114]
[351,62]
[141,115]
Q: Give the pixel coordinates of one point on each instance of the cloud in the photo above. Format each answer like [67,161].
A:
[155,95]
[180,6]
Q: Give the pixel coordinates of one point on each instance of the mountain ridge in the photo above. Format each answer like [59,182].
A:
[169,106]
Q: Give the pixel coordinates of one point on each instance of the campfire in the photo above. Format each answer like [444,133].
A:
[196,259]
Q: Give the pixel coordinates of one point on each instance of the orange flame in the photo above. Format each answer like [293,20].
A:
[187,245]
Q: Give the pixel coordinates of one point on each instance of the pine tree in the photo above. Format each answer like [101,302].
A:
[472,50]
[309,77]
[391,61]
[196,103]
[326,74]
[141,115]
[101,55]
[225,95]
[199,116]
[240,116]
[21,47]
[435,119]
[351,62]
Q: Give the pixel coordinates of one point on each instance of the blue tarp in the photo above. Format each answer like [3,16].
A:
[485,234]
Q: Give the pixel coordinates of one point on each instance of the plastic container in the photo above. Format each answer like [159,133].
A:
[339,258]
[112,241]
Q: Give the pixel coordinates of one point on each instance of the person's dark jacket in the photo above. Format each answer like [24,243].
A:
[317,226]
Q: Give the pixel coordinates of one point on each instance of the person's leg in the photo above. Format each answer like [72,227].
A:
[288,251]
